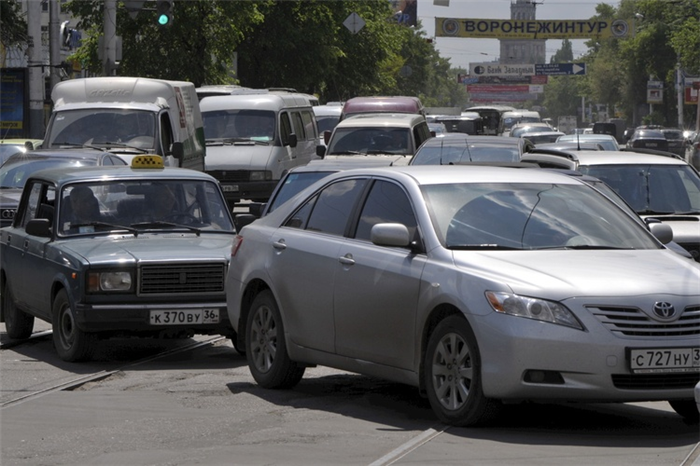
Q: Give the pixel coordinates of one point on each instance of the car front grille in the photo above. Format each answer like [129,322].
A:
[194,278]
[632,322]
[230,175]
[655,381]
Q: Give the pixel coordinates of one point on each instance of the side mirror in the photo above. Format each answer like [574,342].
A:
[321,151]
[662,232]
[178,151]
[39,227]
[256,208]
[326,136]
[292,140]
[241,220]
[390,234]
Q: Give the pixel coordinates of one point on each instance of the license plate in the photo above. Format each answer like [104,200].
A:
[659,360]
[185,317]
[652,144]
[230,188]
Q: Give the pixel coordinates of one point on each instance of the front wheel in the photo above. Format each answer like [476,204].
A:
[18,324]
[453,375]
[688,409]
[265,346]
[72,344]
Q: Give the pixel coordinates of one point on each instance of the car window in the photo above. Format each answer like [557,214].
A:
[386,203]
[332,206]
[307,117]
[293,184]
[299,126]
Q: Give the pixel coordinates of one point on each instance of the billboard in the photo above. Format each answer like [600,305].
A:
[532,29]
[14,103]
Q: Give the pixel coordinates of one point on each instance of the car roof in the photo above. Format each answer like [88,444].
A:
[407,120]
[263,101]
[328,110]
[73,174]
[587,136]
[455,139]
[604,157]
[363,104]
[455,174]
[57,154]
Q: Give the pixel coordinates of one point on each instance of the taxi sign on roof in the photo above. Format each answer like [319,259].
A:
[147,161]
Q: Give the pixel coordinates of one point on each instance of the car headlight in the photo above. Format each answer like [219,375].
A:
[109,281]
[532,308]
[260,175]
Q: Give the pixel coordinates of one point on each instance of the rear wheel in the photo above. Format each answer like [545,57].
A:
[72,344]
[18,323]
[265,346]
[688,409]
[453,375]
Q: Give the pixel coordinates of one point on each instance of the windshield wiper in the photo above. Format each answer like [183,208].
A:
[155,224]
[111,226]
[121,144]
[472,247]
[348,152]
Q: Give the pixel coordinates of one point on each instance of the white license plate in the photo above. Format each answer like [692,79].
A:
[185,317]
[657,360]
[230,188]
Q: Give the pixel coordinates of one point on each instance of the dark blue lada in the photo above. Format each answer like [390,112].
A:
[101,252]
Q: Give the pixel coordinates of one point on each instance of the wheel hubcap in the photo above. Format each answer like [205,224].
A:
[263,339]
[452,371]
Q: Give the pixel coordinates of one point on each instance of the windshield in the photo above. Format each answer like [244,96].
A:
[379,140]
[141,205]
[241,125]
[608,142]
[449,155]
[652,189]
[103,128]
[15,174]
[530,216]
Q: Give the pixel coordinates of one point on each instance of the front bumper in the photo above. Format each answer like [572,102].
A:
[135,318]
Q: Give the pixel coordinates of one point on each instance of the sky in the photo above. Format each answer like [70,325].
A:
[463,51]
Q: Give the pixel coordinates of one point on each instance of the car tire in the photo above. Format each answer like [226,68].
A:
[18,324]
[452,375]
[688,409]
[266,351]
[71,343]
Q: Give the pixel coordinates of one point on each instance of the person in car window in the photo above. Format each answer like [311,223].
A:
[81,210]
[161,203]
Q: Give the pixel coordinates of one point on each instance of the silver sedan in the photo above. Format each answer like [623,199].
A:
[476,284]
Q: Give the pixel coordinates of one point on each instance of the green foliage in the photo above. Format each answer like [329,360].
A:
[13,26]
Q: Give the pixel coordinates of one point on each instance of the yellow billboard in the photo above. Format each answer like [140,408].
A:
[532,29]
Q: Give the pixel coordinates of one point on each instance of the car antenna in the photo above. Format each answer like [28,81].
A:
[578,140]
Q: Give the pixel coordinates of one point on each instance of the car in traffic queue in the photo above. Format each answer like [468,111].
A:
[606,140]
[101,252]
[661,188]
[9,147]
[476,284]
[396,136]
[648,138]
[16,169]
[460,147]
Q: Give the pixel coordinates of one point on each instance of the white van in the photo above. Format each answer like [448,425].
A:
[254,139]
[515,117]
[129,117]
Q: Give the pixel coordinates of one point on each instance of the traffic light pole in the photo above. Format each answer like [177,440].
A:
[109,56]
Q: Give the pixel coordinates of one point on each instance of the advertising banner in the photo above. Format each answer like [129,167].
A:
[532,29]
[14,103]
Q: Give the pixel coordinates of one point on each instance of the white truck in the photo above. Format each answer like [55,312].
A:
[129,116]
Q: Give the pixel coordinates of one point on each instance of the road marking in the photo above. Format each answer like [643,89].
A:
[409,446]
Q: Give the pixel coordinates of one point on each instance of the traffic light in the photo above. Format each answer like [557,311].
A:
[164,12]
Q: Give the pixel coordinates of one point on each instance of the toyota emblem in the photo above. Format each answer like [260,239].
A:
[664,310]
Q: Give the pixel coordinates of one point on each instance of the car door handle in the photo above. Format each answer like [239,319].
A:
[26,244]
[347,259]
[280,245]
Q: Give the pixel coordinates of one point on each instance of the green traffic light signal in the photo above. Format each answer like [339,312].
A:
[164,11]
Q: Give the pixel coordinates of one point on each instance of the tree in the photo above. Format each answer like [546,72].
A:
[13,26]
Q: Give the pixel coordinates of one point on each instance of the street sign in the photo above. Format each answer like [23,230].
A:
[354,23]
[560,69]
[501,69]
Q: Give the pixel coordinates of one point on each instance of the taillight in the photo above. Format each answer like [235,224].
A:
[237,241]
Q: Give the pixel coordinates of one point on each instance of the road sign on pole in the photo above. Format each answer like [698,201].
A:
[560,69]
[354,23]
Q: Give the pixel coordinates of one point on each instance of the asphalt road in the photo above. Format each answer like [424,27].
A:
[203,407]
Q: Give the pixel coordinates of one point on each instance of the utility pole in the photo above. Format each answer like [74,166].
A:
[35,67]
[109,56]
[54,42]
